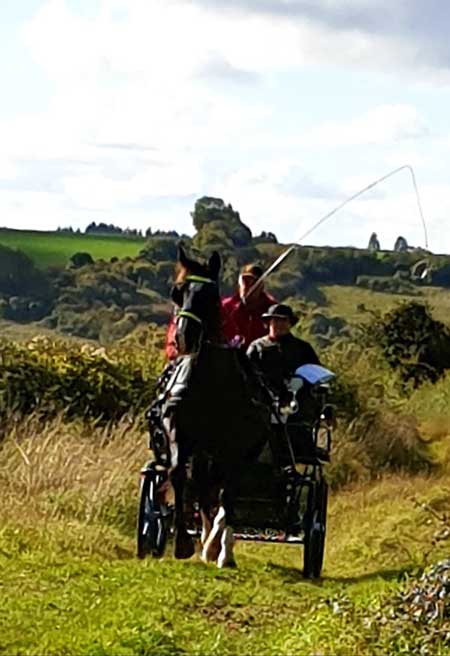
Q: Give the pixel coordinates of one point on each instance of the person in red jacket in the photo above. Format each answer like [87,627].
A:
[241,314]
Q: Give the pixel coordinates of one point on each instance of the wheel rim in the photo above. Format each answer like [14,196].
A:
[153,519]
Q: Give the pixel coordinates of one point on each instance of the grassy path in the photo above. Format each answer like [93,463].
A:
[70,587]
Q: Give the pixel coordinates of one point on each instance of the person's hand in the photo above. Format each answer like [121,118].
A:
[237,341]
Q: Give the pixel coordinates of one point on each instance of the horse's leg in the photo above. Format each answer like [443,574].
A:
[226,554]
[206,524]
[200,475]
[183,542]
[212,545]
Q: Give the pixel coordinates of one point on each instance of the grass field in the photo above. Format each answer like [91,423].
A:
[347,301]
[55,248]
[70,583]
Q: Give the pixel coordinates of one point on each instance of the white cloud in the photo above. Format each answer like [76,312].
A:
[409,34]
[385,124]
[157,100]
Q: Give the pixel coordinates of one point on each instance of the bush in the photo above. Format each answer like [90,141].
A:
[82,381]
[79,260]
[376,442]
[19,276]
[160,249]
[412,342]
[397,284]
[375,433]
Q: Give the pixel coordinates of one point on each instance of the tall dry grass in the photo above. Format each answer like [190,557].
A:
[375,443]
[379,429]
[51,469]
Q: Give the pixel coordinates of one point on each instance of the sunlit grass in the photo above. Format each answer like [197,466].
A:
[70,582]
[349,301]
[55,248]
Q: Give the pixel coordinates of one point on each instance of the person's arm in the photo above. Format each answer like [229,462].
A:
[312,355]
[254,354]
[230,329]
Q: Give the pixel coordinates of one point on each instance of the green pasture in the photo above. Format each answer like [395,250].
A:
[55,248]
[355,303]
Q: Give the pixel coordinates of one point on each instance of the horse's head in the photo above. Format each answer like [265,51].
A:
[196,294]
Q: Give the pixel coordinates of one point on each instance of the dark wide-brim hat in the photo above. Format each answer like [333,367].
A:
[280,311]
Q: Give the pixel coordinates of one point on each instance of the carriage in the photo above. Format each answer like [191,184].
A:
[282,499]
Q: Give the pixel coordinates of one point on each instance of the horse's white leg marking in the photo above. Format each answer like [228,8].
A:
[211,547]
[206,527]
[226,557]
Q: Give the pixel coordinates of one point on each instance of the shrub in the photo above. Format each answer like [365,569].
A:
[160,249]
[81,381]
[80,259]
[19,276]
[376,432]
[412,342]
[397,284]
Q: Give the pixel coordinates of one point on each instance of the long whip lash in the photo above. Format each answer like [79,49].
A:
[292,248]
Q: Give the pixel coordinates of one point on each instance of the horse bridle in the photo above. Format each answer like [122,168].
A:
[186,314]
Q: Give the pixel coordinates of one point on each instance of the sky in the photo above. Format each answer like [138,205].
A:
[127,111]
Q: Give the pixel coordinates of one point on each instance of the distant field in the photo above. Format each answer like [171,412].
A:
[347,301]
[55,248]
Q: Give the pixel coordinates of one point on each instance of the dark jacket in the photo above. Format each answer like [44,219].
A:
[277,360]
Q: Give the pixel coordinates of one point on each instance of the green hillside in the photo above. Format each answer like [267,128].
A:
[47,249]
[117,284]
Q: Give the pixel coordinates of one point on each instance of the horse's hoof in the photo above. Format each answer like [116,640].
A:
[184,546]
[226,564]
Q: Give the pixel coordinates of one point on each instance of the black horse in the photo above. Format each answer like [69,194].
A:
[214,413]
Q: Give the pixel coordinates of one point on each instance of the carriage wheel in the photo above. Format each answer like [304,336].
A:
[153,517]
[315,529]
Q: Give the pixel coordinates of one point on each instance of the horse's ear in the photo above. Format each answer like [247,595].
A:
[182,257]
[214,265]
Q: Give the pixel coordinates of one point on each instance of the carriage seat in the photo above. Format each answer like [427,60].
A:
[305,414]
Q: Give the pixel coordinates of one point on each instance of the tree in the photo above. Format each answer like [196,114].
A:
[161,249]
[374,244]
[212,216]
[401,245]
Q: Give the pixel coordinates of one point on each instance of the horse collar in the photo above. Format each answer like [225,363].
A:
[199,279]
[189,315]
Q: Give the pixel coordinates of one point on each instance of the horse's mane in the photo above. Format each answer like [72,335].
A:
[180,273]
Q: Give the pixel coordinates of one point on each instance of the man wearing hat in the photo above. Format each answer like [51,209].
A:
[242,320]
[278,354]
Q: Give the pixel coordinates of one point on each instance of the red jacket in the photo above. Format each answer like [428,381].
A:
[238,320]
[171,344]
